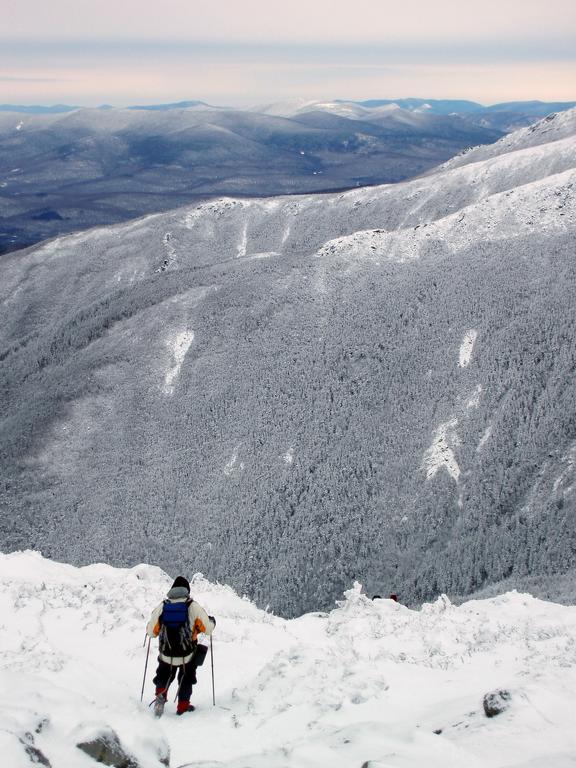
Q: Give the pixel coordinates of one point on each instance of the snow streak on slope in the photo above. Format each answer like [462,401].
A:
[243,242]
[179,346]
[233,465]
[440,454]
[370,681]
[474,399]
[465,355]
[486,435]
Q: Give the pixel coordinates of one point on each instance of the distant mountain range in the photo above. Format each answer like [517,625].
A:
[291,393]
[435,106]
[504,117]
[58,109]
[446,106]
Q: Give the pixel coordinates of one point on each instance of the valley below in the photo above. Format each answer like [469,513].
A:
[292,393]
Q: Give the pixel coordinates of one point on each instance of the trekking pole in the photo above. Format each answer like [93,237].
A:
[145,670]
[212,665]
[180,680]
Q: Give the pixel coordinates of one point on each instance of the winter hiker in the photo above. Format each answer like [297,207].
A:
[177,622]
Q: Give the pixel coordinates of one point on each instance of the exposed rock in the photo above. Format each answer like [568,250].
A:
[36,755]
[21,747]
[41,725]
[496,702]
[372,764]
[104,747]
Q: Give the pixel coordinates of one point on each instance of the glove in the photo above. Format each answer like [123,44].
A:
[212,619]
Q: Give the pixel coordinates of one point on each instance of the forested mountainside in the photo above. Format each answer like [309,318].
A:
[287,394]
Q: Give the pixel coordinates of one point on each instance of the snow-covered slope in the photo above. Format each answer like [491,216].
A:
[557,126]
[282,392]
[370,683]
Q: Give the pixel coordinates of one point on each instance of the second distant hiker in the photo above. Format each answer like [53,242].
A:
[177,622]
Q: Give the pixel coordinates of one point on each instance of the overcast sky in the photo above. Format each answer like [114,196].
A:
[251,51]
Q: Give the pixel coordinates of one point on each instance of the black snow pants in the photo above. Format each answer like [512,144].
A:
[166,673]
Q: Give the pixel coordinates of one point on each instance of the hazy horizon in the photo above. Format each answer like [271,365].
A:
[126,52]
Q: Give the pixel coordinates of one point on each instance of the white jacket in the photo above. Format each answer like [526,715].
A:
[199,621]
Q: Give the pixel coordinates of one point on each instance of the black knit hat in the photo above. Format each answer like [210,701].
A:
[180,581]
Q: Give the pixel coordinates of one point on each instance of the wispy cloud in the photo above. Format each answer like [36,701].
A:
[560,47]
[16,79]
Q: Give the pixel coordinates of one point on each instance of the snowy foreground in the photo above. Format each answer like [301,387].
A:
[370,684]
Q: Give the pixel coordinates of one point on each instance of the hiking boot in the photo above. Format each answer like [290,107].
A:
[159,702]
[184,706]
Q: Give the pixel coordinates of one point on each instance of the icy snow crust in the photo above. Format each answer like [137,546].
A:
[369,681]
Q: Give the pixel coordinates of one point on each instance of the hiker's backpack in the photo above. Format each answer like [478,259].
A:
[175,631]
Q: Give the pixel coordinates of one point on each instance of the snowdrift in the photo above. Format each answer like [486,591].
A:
[372,683]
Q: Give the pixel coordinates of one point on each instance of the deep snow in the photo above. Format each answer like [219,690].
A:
[369,681]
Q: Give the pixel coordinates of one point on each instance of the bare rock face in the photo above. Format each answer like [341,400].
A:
[104,747]
[496,702]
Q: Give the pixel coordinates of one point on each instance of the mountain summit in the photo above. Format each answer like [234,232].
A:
[370,683]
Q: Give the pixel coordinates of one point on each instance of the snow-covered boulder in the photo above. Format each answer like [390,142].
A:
[102,744]
[496,702]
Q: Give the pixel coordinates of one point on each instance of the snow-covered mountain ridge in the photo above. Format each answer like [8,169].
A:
[394,207]
[370,682]
[292,393]
[553,128]
[530,208]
